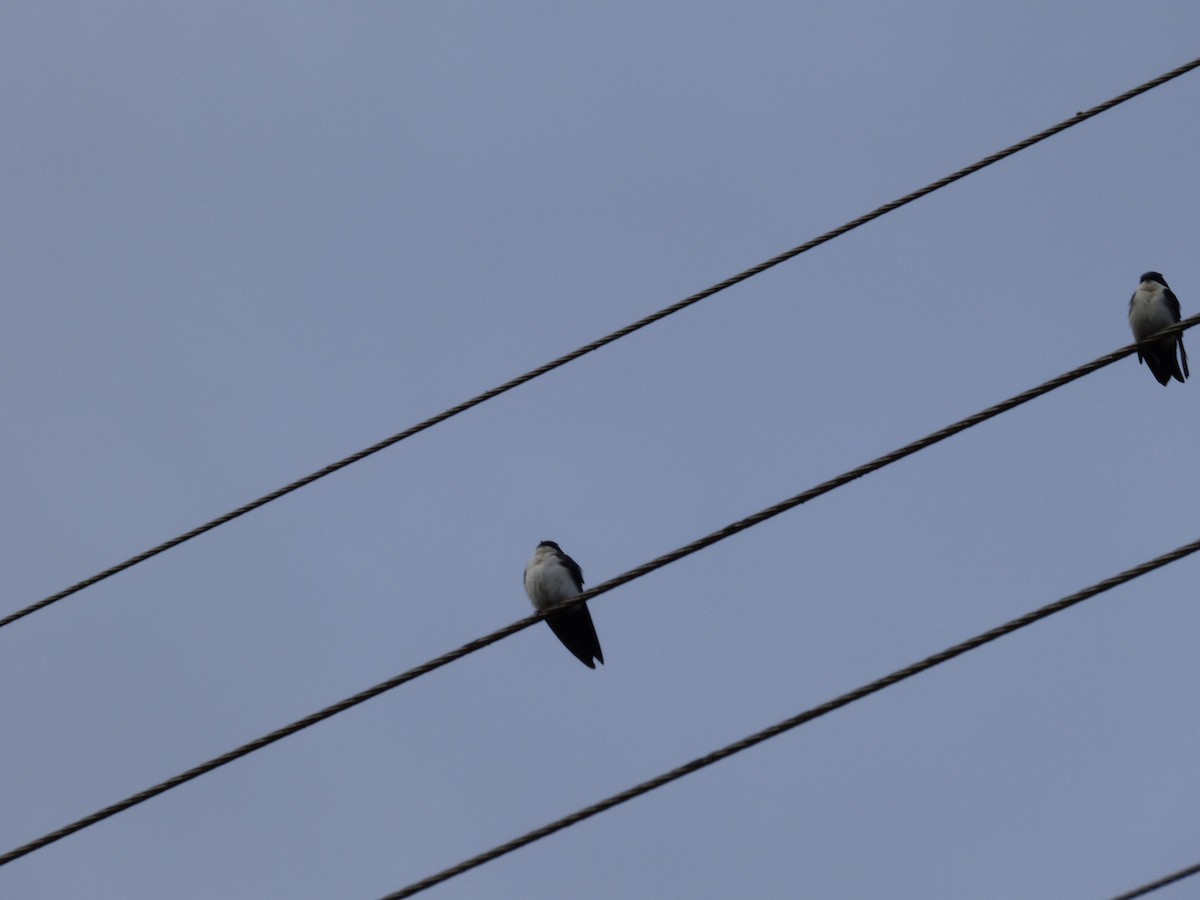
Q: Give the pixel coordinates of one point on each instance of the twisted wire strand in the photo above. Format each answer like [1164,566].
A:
[798,720]
[1161,883]
[644,569]
[601,342]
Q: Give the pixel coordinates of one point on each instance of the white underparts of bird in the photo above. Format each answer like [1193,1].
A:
[1152,308]
[550,578]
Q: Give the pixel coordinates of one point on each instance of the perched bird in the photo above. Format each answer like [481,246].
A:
[550,578]
[1152,308]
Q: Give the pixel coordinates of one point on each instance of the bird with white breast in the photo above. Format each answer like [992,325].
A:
[1152,308]
[550,578]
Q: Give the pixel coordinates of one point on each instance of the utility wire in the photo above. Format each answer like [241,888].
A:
[1161,883]
[798,720]
[601,342]
[644,569]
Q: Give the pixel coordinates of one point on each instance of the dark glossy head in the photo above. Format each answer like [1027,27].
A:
[1155,277]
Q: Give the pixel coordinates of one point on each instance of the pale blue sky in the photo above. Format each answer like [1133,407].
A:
[241,241]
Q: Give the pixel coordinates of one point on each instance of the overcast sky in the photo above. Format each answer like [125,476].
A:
[243,240]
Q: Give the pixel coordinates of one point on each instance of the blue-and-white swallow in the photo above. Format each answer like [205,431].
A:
[1152,308]
[550,578]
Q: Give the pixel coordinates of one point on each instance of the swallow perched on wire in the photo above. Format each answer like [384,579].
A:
[1152,308]
[550,578]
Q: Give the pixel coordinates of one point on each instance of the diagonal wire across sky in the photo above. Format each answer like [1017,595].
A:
[803,718]
[637,572]
[601,342]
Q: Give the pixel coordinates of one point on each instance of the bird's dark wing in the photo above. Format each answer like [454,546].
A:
[572,569]
[1172,303]
[575,629]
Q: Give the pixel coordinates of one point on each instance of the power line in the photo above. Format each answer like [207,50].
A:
[644,569]
[798,720]
[601,342]
[1161,883]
